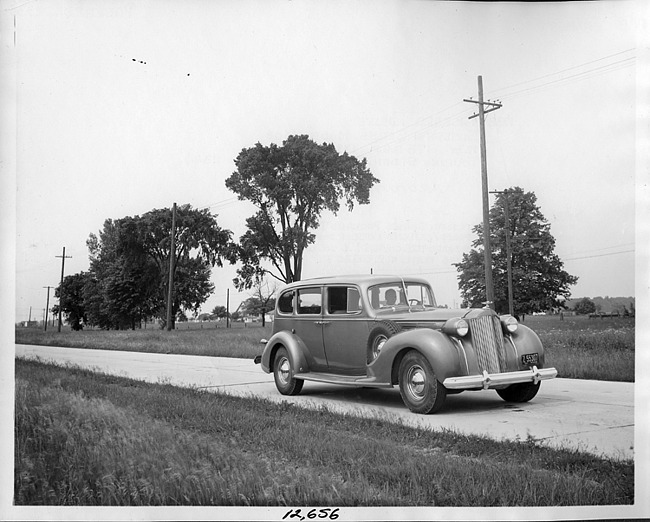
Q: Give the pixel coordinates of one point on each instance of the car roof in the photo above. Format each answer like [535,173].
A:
[363,280]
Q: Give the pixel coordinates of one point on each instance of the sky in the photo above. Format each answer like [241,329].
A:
[122,107]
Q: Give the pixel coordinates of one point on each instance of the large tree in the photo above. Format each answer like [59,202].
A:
[291,185]
[130,265]
[539,280]
[123,286]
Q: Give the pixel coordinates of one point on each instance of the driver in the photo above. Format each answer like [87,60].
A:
[391,297]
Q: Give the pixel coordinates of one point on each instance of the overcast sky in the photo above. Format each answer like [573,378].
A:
[123,107]
[113,108]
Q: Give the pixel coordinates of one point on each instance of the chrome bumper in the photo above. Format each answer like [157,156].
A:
[487,380]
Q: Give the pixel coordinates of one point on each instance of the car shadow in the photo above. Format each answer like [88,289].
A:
[466,402]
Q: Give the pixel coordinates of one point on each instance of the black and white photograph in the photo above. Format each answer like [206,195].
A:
[324,260]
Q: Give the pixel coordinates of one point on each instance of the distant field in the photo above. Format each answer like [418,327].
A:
[579,347]
[239,341]
[583,348]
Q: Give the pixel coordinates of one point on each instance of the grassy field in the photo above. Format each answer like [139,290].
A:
[578,347]
[84,439]
[211,341]
[583,348]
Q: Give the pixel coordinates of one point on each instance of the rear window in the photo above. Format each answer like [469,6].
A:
[285,303]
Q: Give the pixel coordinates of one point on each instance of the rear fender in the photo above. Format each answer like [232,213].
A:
[295,348]
[433,344]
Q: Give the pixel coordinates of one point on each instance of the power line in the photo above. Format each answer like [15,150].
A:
[221,204]
[598,255]
[563,70]
[414,124]
[604,248]
[575,77]
[610,67]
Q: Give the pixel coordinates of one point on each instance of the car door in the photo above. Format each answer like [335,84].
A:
[345,330]
[308,325]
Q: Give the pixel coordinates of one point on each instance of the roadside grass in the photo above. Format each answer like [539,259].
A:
[580,348]
[85,438]
[237,342]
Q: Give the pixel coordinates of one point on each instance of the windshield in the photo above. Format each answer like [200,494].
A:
[396,294]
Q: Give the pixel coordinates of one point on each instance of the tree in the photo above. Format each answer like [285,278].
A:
[585,306]
[219,312]
[539,280]
[72,305]
[262,300]
[291,185]
[130,265]
[124,280]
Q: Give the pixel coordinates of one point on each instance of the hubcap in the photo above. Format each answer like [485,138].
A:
[377,346]
[416,382]
[284,370]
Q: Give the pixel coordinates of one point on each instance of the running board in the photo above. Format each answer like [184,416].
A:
[351,380]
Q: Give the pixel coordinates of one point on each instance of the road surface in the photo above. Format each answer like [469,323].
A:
[594,416]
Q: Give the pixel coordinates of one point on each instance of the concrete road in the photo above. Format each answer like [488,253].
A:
[594,416]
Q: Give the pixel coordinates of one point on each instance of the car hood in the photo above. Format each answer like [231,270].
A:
[430,318]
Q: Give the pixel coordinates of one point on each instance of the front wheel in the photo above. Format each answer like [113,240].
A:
[283,374]
[520,392]
[420,389]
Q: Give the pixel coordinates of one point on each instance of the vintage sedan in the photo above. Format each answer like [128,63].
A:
[382,331]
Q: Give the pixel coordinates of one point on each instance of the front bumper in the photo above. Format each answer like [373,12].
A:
[494,380]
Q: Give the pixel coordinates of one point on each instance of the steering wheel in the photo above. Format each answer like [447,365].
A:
[414,302]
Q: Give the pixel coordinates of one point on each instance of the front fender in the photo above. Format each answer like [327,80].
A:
[527,341]
[433,344]
[295,347]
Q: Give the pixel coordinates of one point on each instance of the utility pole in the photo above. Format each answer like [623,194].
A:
[228,308]
[482,111]
[47,305]
[172,255]
[63,258]
[511,307]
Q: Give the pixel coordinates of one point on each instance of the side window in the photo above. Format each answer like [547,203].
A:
[354,301]
[285,303]
[309,301]
[342,300]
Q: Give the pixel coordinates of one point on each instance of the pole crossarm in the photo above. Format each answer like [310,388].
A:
[494,106]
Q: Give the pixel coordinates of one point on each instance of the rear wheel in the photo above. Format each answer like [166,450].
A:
[520,392]
[283,374]
[420,389]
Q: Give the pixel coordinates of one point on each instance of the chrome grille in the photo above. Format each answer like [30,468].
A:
[488,343]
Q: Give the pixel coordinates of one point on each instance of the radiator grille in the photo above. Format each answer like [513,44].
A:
[488,343]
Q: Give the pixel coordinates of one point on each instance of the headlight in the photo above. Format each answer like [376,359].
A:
[458,327]
[509,323]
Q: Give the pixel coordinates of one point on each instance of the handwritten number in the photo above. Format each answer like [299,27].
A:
[330,513]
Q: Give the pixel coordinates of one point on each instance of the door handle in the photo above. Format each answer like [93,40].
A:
[322,323]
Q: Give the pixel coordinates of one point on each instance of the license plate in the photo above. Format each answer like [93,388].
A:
[530,359]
